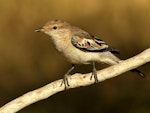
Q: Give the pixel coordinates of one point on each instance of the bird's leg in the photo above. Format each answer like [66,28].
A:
[94,73]
[65,79]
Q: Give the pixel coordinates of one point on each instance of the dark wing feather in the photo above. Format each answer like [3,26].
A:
[90,43]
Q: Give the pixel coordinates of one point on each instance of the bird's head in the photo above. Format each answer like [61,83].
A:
[55,28]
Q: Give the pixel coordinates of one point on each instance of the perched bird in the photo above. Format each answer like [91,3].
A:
[80,47]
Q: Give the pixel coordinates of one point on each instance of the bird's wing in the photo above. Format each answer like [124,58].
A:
[90,43]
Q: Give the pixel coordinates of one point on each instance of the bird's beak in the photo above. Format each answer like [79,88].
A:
[40,30]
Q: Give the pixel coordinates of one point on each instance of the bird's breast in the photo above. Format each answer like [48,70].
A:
[73,54]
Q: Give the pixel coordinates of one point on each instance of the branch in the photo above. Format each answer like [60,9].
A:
[75,80]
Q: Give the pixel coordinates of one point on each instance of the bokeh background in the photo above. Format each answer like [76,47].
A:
[28,60]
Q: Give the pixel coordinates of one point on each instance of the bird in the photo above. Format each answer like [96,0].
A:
[80,47]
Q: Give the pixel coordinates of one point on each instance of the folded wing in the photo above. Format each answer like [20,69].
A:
[90,43]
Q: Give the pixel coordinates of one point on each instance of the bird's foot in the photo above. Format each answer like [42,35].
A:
[65,82]
[94,74]
[65,79]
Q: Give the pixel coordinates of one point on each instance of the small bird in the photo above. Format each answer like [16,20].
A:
[80,47]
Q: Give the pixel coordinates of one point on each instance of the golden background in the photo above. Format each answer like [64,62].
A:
[28,60]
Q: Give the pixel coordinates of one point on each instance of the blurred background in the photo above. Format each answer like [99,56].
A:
[28,60]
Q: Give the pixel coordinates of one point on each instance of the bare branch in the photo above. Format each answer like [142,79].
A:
[75,80]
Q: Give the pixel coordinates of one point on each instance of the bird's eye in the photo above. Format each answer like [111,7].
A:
[54,27]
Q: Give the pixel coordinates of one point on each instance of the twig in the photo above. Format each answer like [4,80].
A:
[75,80]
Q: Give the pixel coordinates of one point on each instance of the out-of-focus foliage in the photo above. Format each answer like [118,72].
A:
[28,60]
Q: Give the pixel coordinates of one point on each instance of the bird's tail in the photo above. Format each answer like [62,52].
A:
[111,59]
[138,72]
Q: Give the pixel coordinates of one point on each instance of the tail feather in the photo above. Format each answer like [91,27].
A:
[113,50]
[138,72]
[135,70]
[111,59]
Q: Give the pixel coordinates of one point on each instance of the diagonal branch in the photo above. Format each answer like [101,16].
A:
[75,80]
